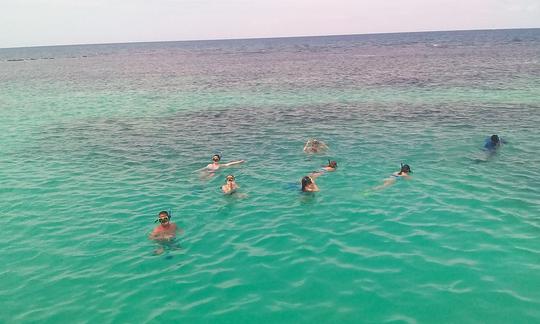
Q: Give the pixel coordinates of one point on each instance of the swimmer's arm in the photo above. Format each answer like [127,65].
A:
[158,237]
[203,168]
[164,235]
[316,174]
[233,163]
[153,235]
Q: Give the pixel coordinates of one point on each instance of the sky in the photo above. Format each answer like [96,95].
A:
[60,22]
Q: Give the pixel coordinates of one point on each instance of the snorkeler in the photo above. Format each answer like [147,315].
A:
[493,143]
[230,185]
[166,230]
[404,173]
[216,165]
[315,146]
[164,233]
[308,184]
[330,167]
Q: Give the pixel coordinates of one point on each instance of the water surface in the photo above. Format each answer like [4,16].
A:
[96,139]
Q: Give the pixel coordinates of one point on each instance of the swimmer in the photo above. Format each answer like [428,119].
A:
[212,167]
[493,143]
[330,167]
[315,146]
[164,232]
[308,184]
[404,173]
[230,185]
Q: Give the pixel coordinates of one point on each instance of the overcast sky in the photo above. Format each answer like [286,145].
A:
[54,22]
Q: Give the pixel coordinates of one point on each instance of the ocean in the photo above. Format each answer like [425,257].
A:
[95,140]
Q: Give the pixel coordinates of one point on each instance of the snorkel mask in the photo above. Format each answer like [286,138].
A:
[163,220]
[332,164]
[405,168]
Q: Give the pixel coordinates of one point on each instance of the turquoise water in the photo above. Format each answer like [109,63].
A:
[99,139]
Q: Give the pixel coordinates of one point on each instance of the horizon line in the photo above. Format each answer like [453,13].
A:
[270,37]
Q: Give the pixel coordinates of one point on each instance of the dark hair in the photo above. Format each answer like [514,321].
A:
[405,168]
[305,181]
[218,156]
[332,164]
[164,212]
[495,138]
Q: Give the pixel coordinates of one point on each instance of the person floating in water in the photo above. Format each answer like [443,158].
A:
[404,173]
[230,185]
[308,183]
[215,165]
[493,143]
[330,167]
[165,232]
[315,146]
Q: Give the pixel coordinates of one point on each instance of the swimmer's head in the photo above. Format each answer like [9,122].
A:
[216,157]
[163,217]
[332,164]
[405,168]
[495,139]
[305,182]
[229,178]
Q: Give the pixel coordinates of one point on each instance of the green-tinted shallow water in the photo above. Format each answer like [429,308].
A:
[95,142]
